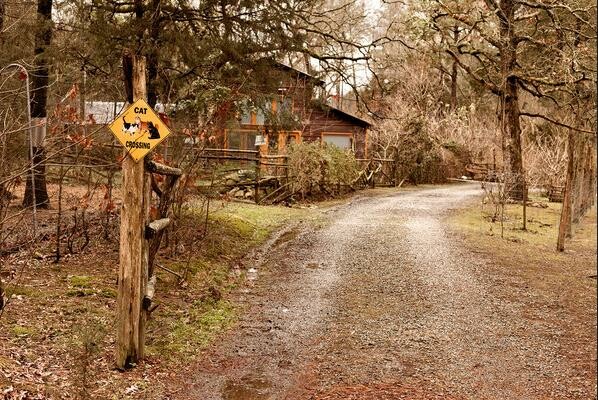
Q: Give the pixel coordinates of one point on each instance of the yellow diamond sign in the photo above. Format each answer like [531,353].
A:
[139,129]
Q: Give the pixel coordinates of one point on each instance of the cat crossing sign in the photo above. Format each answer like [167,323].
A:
[139,129]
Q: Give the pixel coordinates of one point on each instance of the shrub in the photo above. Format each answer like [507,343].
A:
[316,169]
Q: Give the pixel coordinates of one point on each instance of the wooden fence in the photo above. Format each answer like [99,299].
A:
[271,179]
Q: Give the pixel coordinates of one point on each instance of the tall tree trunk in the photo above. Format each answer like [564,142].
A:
[565,220]
[510,127]
[152,53]
[454,73]
[39,95]
[4,194]
[2,13]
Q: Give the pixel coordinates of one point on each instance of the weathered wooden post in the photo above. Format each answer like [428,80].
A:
[258,168]
[133,254]
[139,129]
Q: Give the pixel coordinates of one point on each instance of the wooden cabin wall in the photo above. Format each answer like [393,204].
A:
[328,122]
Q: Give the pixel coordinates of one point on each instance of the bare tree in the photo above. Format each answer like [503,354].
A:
[36,189]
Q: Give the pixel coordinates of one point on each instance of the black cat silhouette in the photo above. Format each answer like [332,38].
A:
[153,131]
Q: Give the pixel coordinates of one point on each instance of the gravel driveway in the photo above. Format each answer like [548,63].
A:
[383,303]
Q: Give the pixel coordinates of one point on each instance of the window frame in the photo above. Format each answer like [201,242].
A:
[347,134]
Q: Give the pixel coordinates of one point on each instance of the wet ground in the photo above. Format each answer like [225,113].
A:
[383,303]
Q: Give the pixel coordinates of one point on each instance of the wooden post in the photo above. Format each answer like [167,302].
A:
[258,167]
[132,276]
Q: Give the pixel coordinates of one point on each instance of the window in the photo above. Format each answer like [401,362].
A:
[285,105]
[260,117]
[293,138]
[341,141]
[241,139]
[246,117]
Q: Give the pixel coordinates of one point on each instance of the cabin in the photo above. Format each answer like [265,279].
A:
[286,106]
[281,105]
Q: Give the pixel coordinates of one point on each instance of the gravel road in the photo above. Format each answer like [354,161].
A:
[384,303]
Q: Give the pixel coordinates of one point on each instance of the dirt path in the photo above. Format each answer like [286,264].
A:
[384,303]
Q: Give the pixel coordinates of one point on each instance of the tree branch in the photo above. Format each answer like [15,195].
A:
[553,121]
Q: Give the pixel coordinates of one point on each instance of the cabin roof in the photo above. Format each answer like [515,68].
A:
[347,115]
[316,81]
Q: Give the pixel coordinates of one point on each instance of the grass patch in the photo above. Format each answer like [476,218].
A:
[253,222]
[21,291]
[108,293]
[22,331]
[194,311]
[80,281]
[80,286]
[532,254]
[191,331]
[541,226]
[79,292]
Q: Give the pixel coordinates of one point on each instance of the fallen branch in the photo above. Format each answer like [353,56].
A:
[163,268]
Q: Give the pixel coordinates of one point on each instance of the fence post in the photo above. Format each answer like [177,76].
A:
[258,167]
[133,253]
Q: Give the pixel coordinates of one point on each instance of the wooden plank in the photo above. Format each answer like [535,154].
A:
[152,229]
[168,192]
[213,150]
[150,292]
[275,156]
[162,169]
[237,158]
[132,276]
[274,164]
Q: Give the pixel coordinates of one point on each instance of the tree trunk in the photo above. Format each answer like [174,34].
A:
[510,127]
[152,54]
[454,73]
[565,221]
[2,13]
[1,290]
[39,96]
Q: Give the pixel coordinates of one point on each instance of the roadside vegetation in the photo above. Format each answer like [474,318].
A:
[546,282]
[60,319]
[542,218]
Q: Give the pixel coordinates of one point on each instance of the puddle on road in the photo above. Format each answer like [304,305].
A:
[252,274]
[315,265]
[250,387]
